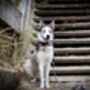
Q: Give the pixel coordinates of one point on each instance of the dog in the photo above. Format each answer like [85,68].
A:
[43,54]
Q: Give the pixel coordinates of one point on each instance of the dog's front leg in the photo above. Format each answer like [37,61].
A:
[41,69]
[47,76]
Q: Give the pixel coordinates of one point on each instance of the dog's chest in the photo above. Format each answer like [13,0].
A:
[45,54]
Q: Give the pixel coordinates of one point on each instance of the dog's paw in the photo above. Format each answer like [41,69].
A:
[47,86]
[42,86]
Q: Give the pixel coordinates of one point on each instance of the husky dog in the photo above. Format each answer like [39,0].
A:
[43,54]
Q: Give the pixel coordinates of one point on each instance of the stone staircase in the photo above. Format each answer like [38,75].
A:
[72,37]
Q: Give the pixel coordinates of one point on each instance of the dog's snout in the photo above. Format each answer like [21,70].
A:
[48,36]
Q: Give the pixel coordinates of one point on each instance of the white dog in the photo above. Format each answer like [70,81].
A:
[43,54]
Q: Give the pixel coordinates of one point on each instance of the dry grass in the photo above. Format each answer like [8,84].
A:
[7,36]
[25,46]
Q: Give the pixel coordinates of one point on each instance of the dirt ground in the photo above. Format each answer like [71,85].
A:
[57,86]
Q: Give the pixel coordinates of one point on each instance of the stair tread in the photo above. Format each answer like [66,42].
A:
[63,18]
[82,50]
[62,6]
[69,1]
[72,49]
[72,41]
[70,69]
[70,78]
[72,56]
[55,12]
[72,59]
[72,25]
[71,33]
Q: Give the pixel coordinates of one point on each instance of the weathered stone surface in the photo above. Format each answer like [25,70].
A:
[10,14]
[9,79]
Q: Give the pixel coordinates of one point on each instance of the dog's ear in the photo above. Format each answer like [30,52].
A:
[41,24]
[52,25]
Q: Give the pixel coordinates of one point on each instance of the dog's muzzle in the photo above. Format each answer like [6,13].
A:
[48,36]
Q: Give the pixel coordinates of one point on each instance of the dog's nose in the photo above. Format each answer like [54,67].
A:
[48,36]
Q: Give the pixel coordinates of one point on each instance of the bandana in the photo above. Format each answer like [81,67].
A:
[41,44]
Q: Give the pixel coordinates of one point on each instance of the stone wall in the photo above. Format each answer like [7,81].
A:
[18,17]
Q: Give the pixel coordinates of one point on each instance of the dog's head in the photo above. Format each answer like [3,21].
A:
[46,31]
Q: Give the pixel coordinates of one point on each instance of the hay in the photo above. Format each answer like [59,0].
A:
[7,36]
[14,48]
[9,76]
[25,46]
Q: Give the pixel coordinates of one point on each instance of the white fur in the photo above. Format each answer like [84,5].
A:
[45,57]
[42,59]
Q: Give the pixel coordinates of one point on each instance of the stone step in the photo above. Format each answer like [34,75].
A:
[71,70]
[68,1]
[72,41]
[74,25]
[72,33]
[70,25]
[70,78]
[61,12]
[62,6]
[72,59]
[64,18]
[72,50]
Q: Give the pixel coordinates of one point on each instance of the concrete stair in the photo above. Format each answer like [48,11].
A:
[72,33]
[71,70]
[72,37]
[71,50]
[72,41]
[72,59]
